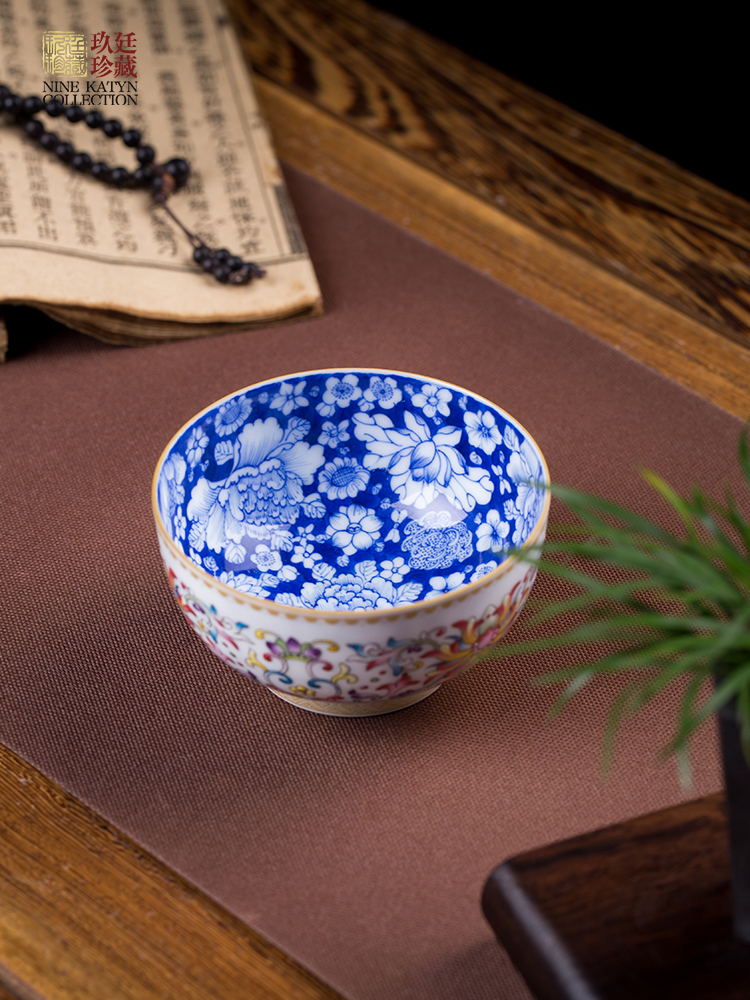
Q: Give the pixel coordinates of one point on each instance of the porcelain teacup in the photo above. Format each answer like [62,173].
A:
[351,538]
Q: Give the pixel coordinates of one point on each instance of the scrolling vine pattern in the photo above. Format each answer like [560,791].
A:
[369,671]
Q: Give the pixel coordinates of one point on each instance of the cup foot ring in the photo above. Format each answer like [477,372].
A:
[351,709]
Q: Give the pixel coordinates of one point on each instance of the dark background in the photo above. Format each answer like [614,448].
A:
[677,85]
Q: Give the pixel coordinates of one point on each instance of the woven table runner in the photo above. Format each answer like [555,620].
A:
[359,846]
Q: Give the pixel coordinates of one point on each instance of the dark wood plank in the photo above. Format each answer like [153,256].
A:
[5,993]
[631,211]
[12,988]
[640,909]
[469,228]
[85,914]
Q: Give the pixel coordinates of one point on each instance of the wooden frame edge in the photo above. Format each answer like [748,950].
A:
[86,913]
[424,203]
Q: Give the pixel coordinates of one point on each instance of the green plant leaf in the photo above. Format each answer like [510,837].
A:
[658,608]
[682,508]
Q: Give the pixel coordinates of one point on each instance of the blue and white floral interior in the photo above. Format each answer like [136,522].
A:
[350,490]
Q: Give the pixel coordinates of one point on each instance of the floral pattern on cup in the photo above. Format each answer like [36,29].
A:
[312,489]
[367,671]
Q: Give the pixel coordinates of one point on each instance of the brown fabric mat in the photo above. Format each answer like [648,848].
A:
[358,846]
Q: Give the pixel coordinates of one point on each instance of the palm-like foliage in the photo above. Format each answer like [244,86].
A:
[679,611]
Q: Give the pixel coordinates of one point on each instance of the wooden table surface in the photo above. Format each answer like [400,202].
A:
[609,235]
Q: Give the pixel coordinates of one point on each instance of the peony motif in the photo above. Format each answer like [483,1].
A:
[359,591]
[349,592]
[342,478]
[245,583]
[482,431]
[354,528]
[422,466]
[264,487]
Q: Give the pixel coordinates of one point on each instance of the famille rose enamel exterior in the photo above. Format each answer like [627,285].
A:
[341,536]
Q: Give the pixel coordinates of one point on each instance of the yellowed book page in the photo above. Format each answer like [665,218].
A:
[67,239]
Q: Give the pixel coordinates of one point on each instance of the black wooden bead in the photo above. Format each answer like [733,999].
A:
[33,105]
[101,171]
[120,176]
[112,128]
[13,104]
[163,178]
[179,169]
[34,128]
[82,162]
[143,175]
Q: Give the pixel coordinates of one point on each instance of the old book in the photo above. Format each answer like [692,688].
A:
[109,262]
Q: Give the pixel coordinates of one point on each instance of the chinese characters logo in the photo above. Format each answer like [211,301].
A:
[64,53]
[122,62]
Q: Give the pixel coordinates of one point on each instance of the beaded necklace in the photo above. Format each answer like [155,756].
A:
[162,178]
